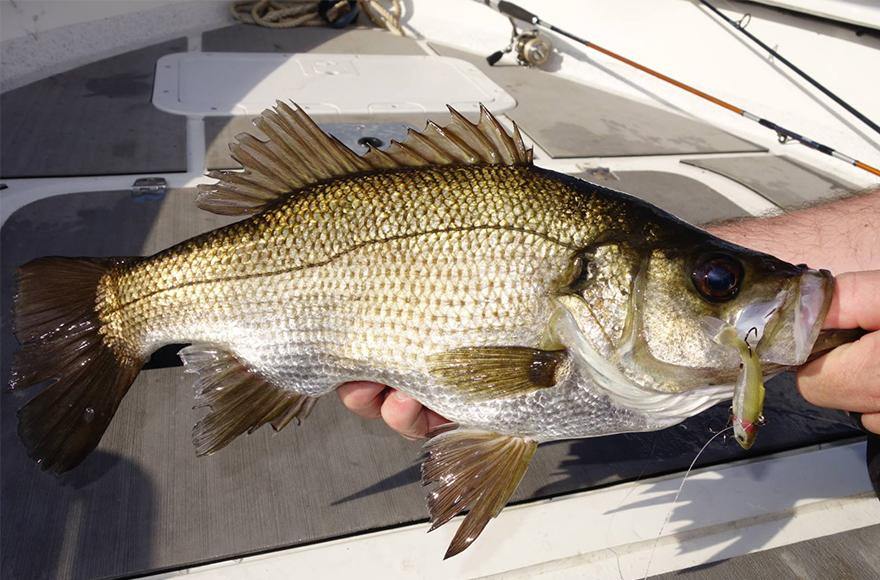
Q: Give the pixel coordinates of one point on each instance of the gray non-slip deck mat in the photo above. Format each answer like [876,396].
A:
[144,502]
[786,183]
[97,119]
[677,194]
[246,38]
[569,119]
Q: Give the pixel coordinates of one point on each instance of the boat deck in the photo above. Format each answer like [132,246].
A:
[144,503]
[852,554]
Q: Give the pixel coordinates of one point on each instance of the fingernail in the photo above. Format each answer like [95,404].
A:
[401,396]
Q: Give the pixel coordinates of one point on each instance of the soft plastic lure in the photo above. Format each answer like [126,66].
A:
[748,394]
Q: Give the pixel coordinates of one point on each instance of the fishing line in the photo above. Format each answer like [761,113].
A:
[742,28]
[784,134]
[675,499]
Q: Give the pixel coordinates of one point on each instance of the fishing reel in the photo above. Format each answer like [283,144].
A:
[532,49]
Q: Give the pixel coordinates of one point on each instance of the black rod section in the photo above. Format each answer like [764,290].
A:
[795,68]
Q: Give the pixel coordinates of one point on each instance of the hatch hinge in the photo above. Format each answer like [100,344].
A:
[149,188]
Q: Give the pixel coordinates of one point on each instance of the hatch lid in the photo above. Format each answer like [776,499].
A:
[229,83]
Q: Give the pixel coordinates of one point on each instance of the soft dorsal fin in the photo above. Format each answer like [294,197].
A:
[298,153]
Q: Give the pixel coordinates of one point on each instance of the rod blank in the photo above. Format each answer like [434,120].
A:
[520,13]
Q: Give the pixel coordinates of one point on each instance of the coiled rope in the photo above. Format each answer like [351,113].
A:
[293,13]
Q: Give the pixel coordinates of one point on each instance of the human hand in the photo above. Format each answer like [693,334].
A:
[400,411]
[848,377]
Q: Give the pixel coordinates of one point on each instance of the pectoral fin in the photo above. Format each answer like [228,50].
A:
[475,471]
[498,371]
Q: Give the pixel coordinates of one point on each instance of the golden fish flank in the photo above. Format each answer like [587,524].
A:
[523,304]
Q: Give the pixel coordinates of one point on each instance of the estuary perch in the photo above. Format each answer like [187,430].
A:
[525,305]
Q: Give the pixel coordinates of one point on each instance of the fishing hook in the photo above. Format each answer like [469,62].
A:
[746,339]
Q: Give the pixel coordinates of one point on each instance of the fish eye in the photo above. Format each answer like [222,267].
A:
[717,277]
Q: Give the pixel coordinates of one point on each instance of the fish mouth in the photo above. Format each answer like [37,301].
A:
[814,298]
[790,340]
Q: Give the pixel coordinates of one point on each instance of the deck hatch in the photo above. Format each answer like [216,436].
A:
[229,83]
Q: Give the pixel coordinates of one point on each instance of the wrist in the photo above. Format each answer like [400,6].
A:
[841,236]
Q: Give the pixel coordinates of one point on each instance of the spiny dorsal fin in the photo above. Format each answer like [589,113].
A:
[241,400]
[298,153]
[475,471]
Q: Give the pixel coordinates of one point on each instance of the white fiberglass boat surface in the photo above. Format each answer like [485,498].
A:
[85,115]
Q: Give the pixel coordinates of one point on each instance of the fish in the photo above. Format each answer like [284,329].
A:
[525,305]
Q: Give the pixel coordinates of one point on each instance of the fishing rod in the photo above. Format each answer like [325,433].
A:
[515,11]
[739,26]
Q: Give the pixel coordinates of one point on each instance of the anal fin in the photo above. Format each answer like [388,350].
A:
[475,471]
[241,400]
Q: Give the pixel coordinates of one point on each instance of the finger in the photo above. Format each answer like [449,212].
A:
[846,378]
[872,423]
[405,415]
[856,301]
[363,398]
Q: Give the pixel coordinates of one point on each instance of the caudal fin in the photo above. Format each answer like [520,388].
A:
[57,324]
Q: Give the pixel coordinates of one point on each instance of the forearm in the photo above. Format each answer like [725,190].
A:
[841,236]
